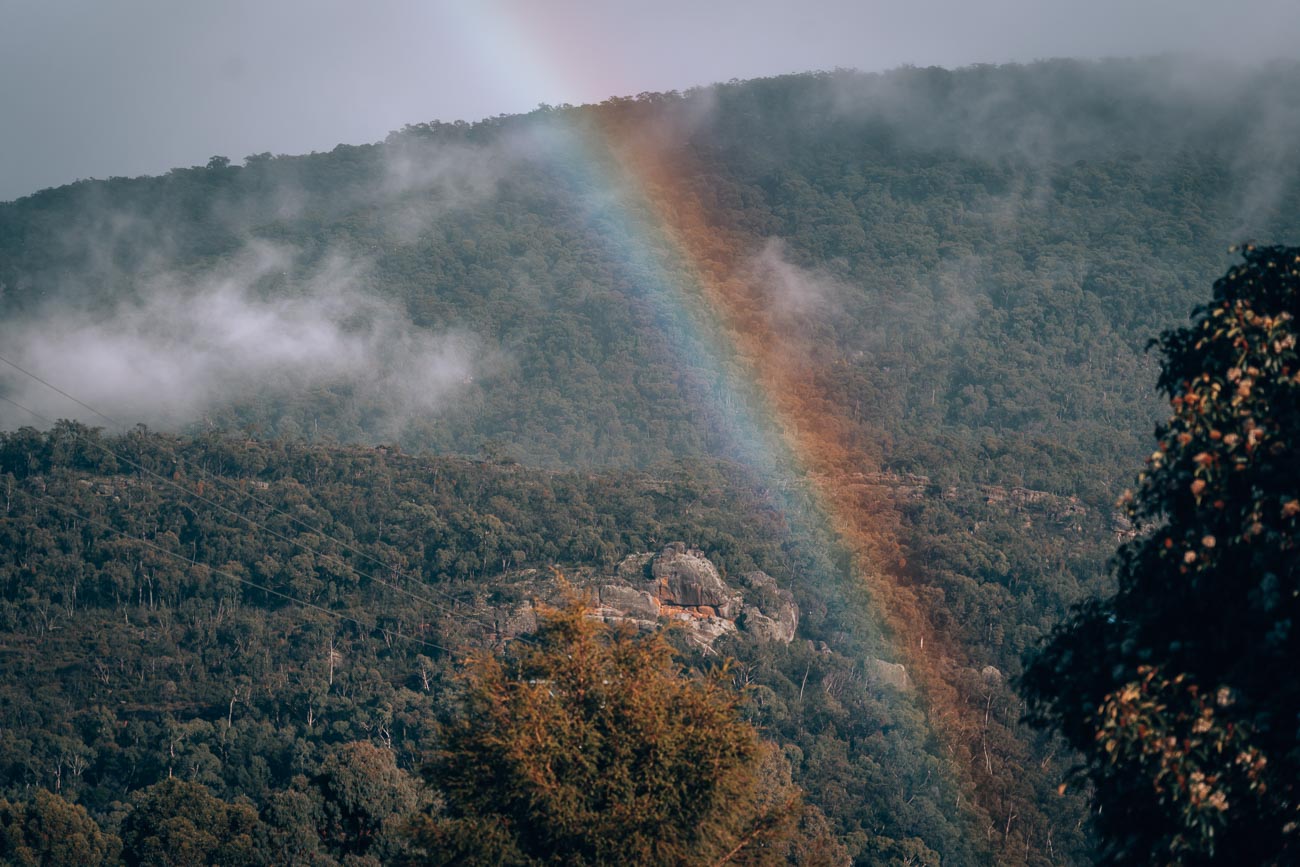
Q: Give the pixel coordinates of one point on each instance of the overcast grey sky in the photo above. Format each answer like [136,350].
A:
[96,88]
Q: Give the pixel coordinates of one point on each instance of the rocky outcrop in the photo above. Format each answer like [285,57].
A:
[882,673]
[677,586]
[681,585]
[701,629]
[635,568]
[519,620]
[621,600]
[773,616]
[684,578]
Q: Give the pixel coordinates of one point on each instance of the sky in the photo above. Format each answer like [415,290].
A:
[91,88]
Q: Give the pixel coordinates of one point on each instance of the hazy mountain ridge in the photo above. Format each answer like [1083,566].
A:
[907,204]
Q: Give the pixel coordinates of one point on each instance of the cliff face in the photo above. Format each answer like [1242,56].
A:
[678,585]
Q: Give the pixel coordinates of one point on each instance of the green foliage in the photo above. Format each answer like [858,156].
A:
[972,238]
[1176,688]
[290,830]
[592,746]
[363,794]
[176,823]
[164,667]
[49,831]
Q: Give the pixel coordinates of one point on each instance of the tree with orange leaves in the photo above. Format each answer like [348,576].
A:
[1180,690]
[592,746]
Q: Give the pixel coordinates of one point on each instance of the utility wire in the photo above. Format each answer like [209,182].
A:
[55,388]
[262,527]
[225,482]
[176,556]
[239,515]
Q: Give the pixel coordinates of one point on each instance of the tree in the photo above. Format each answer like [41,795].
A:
[592,746]
[182,823]
[48,830]
[1179,690]
[289,831]
[362,794]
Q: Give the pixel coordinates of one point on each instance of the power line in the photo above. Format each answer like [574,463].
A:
[55,388]
[233,577]
[257,525]
[229,511]
[123,427]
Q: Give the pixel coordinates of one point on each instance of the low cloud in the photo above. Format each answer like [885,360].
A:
[250,330]
[793,293]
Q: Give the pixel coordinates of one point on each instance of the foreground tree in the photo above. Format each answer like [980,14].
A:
[591,746]
[49,831]
[1180,690]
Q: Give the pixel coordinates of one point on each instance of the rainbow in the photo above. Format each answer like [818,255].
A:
[778,416]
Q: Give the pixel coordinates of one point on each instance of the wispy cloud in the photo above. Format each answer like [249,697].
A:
[186,346]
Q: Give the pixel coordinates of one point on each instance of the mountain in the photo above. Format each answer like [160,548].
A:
[881,337]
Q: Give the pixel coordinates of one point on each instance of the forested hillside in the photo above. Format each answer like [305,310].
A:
[977,258]
[963,269]
[149,634]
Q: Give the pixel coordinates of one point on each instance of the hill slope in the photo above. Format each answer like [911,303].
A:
[858,293]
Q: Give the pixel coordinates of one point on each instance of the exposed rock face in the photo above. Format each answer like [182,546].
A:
[758,624]
[519,620]
[684,577]
[634,568]
[775,617]
[629,602]
[889,673]
[681,585]
[703,630]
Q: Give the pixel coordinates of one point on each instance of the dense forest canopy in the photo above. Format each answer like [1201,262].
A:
[147,636]
[965,265]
